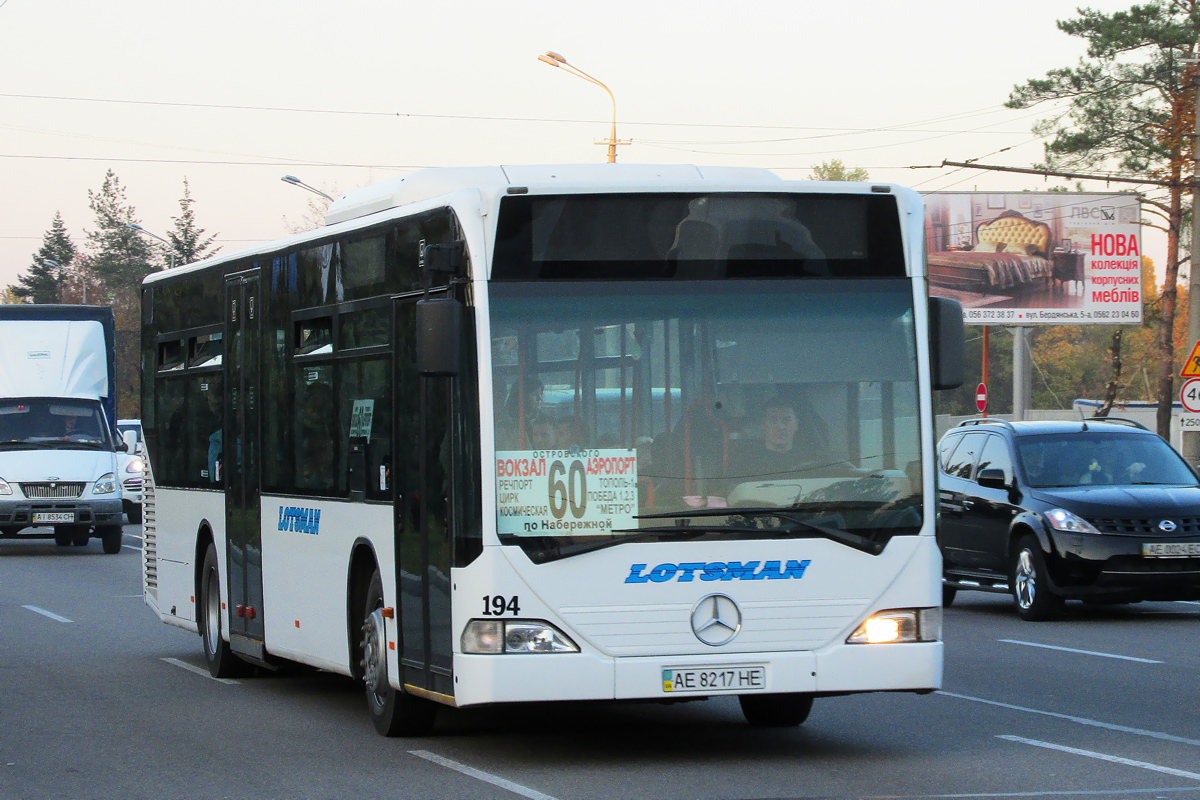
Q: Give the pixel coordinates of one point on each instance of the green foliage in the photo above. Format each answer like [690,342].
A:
[1131,105]
[43,283]
[835,170]
[117,255]
[188,242]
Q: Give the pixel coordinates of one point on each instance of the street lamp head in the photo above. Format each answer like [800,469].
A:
[548,60]
[294,181]
[556,57]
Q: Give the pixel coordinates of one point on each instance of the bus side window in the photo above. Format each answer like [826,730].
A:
[364,400]
[314,425]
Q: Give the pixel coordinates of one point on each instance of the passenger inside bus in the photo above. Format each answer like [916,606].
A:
[531,430]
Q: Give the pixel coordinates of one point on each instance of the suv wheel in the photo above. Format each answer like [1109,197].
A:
[1030,586]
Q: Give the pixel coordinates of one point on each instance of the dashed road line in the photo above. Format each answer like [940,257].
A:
[1129,762]
[1166,737]
[175,662]
[1081,652]
[479,774]
[46,613]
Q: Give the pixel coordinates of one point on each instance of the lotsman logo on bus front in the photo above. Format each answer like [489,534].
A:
[300,520]
[718,571]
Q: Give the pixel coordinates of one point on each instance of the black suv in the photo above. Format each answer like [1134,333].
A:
[1092,510]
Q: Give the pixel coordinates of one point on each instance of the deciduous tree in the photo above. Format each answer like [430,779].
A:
[835,170]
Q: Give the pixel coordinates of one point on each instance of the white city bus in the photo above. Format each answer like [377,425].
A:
[515,434]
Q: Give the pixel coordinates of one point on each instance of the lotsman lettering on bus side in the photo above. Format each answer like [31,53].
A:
[718,571]
[300,520]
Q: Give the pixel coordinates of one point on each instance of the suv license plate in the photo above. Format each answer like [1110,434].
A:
[1170,549]
[741,678]
[54,516]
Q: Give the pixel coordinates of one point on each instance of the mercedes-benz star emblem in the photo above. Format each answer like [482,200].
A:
[716,619]
[1167,526]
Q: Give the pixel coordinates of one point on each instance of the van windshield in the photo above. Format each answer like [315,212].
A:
[52,423]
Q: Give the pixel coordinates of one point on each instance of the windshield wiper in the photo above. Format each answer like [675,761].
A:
[795,525]
[643,535]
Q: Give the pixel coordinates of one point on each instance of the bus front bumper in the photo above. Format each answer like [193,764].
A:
[586,676]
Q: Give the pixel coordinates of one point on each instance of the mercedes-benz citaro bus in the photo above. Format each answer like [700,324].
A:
[538,433]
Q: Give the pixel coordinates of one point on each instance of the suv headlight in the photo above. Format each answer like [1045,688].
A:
[495,636]
[106,484]
[4,487]
[1062,520]
[899,625]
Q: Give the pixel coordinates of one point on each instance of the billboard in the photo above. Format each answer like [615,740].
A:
[1036,258]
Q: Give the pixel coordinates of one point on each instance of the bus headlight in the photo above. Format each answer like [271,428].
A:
[105,484]
[899,625]
[494,636]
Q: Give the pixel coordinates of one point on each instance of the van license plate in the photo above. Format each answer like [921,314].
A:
[715,679]
[1170,549]
[54,516]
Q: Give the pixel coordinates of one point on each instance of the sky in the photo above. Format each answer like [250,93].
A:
[233,94]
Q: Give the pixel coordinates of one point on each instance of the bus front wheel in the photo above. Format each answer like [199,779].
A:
[394,712]
[775,710]
[222,663]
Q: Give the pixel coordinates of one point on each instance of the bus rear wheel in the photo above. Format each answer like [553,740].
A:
[222,663]
[394,712]
[775,710]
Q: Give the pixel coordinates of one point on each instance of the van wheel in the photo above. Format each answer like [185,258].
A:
[79,539]
[134,513]
[1030,583]
[395,713]
[948,595]
[222,663]
[111,536]
[63,537]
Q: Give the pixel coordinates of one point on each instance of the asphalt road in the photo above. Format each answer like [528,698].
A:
[100,700]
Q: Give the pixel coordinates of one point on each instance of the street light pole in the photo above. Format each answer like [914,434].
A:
[555,60]
[294,181]
[133,226]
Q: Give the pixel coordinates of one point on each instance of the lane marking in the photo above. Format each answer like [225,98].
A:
[1081,652]
[175,662]
[1129,762]
[134,536]
[479,774]
[1166,737]
[131,547]
[46,613]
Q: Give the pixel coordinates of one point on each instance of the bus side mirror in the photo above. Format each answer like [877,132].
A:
[947,340]
[439,336]
[447,259]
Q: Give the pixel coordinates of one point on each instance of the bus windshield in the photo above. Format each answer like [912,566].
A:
[652,410]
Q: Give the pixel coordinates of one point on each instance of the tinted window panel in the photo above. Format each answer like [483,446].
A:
[963,461]
[995,455]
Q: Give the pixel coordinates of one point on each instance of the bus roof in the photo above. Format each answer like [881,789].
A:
[429,183]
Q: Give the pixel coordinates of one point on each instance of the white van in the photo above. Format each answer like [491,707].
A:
[59,470]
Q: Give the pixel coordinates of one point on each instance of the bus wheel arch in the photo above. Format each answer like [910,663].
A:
[221,660]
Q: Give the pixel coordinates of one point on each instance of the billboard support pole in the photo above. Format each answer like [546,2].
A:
[1022,383]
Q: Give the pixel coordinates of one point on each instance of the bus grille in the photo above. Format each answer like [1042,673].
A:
[51,491]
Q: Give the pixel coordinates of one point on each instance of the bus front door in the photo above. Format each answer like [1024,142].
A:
[424,518]
[240,462]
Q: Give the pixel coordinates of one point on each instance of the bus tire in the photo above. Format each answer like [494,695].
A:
[775,710]
[110,535]
[394,712]
[222,663]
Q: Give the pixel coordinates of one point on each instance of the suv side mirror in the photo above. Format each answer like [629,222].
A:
[991,478]
[947,340]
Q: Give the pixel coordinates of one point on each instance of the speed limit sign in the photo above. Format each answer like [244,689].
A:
[1189,396]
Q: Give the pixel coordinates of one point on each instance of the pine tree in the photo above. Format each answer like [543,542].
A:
[1131,103]
[43,283]
[187,242]
[117,255]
